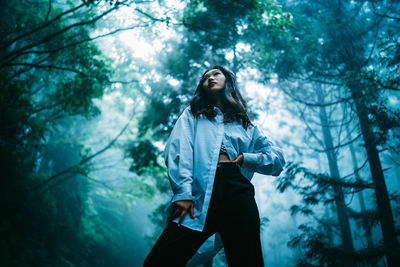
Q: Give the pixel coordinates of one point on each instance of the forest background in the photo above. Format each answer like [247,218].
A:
[90,91]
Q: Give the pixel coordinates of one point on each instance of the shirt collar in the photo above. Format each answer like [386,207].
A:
[217,110]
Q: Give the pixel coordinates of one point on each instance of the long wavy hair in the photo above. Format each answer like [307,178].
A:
[235,107]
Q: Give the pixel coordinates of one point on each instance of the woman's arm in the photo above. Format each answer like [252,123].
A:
[265,158]
[178,156]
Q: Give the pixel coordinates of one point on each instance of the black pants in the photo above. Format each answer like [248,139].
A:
[232,213]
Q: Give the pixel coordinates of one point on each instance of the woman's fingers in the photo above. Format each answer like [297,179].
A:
[183,214]
[176,212]
[239,159]
[181,208]
[192,211]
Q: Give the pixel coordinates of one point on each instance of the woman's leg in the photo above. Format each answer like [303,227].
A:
[240,235]
[175,246]
[239,220]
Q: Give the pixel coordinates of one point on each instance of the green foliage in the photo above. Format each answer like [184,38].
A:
[366,219]
[351,50]
[48,72]
[315,188]
[44,221]
[94,2]
[318,251]
[212,29]
[162,105]
[144,155]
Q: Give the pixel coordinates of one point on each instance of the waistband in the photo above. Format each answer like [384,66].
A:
[227,164]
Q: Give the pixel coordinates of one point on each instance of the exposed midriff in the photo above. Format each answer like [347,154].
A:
[223,158]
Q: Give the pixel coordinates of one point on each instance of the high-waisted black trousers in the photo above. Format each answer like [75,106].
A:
[232,213]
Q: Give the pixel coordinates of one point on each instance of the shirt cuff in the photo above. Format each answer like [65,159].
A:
[254,160]
[182,196]
[249,160]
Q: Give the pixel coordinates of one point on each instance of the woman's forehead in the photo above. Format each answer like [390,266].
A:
[211,72]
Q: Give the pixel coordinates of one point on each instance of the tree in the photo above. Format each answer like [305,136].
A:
[344,46]
[50,74]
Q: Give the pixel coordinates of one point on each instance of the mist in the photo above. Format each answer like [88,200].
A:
[92,89]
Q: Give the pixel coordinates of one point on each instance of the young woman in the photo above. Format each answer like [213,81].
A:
[211,155]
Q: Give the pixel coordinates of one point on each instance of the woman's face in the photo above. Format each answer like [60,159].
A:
[214,81]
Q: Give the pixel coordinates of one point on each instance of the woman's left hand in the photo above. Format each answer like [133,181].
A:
[239,159]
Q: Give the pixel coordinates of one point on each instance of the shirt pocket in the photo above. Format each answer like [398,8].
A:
[238,137]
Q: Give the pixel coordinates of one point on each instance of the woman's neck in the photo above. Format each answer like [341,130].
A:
[218,104]
[216,101]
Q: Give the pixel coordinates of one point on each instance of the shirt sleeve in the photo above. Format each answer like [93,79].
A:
[265,158]
[178,156]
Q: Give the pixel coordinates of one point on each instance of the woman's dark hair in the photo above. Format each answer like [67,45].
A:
[235,107]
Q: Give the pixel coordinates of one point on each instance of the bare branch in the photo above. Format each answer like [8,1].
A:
[44,107]
[72,70]
[316,104]
[99,182]
[25,70]
[71,169]
[183,23]
[395,161]
[48,11]
[356,170]
[321,143]
[17,53]
[323,81]
[75,43]
[337,146]
[59,181]
[44,25]
[373,47]
[386,16]
[383,15]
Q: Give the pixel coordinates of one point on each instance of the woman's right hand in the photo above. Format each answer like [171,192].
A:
[181,208]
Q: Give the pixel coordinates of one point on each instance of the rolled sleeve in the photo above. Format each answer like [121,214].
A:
[265,158]
[183,196]
[178,156]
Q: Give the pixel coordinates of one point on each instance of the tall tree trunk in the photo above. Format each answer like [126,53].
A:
[327,208]
[343,217]
[328,231]
[394,158]
[360,194]
[381,193]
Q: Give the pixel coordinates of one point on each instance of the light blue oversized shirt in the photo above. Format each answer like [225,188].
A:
[191,156]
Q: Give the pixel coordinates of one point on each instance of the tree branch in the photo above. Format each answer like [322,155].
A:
[383,15]
[48,11]
[25,70]
[309,128]
[71,169]
[72,70]
[337,146]
[42,26]
[17,53]
[183,23]
[75,43]
[356,170]
[315,104]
